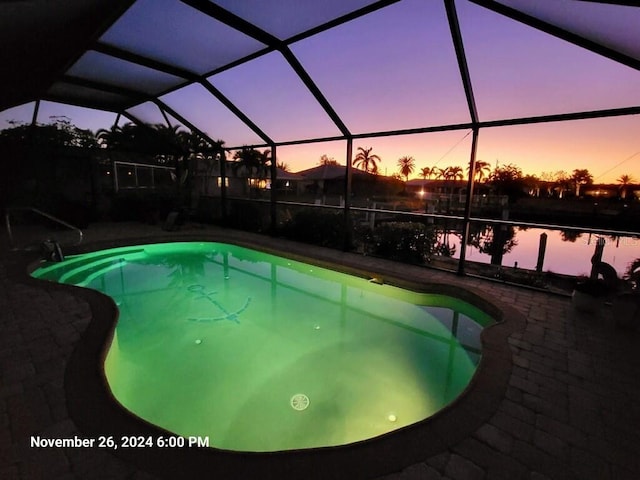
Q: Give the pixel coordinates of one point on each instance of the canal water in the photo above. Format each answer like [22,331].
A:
[566,253]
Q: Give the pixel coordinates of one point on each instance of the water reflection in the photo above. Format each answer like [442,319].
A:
[568,251]
[494,241]
[570,235]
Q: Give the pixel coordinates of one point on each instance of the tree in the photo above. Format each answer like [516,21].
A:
[325,160]
[366,161]
[406,166]
[283,166]
[453,173]
[549,180]
[624,181]
[581,177]
[562,182]
[493,241]
[508,180]
[59,133]
[246,162]
[438,172]
[251,163]
[533,184]
[209,154]
[482,170]
[156,139]
[425,173]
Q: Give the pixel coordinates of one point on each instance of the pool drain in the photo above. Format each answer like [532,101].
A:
[299,401]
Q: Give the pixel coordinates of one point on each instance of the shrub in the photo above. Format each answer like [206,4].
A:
[146,207]
[247,216]
[408,242]
[324,228]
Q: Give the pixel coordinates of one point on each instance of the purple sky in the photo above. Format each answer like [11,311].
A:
[396,68]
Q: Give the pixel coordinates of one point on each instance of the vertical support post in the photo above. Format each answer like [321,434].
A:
[347,196]
[274,198]
[222,159]
[467,203]
[116,187]
[36,108]
[542,248]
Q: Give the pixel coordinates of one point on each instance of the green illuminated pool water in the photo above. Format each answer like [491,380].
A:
[261,353]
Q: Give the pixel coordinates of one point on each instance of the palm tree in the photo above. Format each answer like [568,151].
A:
[406,166]
[453,173]
[108,138]
[482,170]
[283,166]
[251,163]
[365,160]
[624,181]
[210,155]
[426,172]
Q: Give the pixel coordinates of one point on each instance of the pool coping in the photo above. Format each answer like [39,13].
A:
[96,412]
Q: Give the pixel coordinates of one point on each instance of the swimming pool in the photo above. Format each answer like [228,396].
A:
[261,353]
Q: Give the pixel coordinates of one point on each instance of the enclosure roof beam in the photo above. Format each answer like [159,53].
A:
[560,117]
[144,61]
[236,111]
[266,38]
[166,108]
[458,44]
[134,95]
[559,32]
[614,112]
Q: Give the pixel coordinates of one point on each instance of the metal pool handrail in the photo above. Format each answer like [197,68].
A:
[43,214]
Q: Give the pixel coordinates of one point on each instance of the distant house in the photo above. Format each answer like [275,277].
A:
[601,191]
[625,192]
[239,182]
[288,183]
[323,179]
[453,192]
[329,180]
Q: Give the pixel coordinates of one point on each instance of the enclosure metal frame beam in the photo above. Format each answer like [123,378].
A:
[621,3]
[236,111]
[340,20]
[131,57]
[559,32]
[273,204]
[251,30]
[121,6]
[458,43]
[191,79]
[466,223]
[347,195]
[560,117]
[135,96]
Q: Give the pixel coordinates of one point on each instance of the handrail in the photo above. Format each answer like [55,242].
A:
[43,214]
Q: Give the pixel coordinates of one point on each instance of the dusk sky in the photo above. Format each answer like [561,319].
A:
[396,69]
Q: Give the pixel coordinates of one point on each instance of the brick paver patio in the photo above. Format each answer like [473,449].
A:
[571,409]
